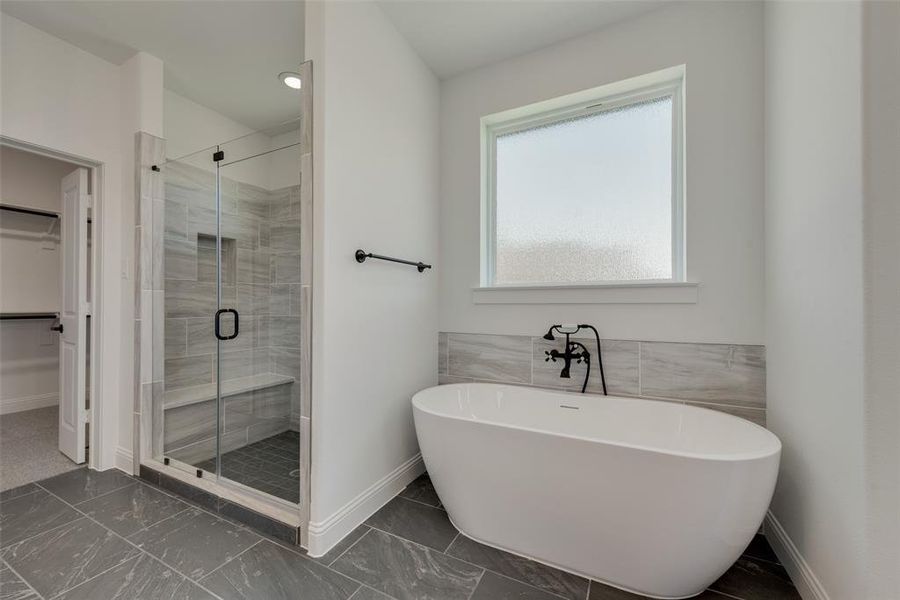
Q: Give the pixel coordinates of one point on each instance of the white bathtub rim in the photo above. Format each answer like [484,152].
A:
[561,568]
[418,404]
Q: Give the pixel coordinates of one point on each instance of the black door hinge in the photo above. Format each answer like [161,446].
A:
[218,155]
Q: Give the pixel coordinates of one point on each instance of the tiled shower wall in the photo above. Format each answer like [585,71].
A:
[260,277]
[268,250]
[725,377]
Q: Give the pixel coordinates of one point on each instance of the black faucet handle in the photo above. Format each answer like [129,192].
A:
[551,355]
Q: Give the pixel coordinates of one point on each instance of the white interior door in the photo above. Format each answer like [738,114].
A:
[73,413]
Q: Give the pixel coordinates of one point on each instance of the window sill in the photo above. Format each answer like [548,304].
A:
[651,292]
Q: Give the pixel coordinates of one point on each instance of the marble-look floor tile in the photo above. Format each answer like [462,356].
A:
[519,568]
[495,357]
[31,514]
[343,545]
[64,557]
[600,591]
[195,542]
[132,508]
[497,587]
[367,593]
[415,521]
[269,571]
[421,490]
[756,580]
[15,492]
[12,587]
[84,484]
[718,373]
[407,571]
[138,578]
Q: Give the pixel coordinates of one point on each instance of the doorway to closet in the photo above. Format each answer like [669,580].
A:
[46,327]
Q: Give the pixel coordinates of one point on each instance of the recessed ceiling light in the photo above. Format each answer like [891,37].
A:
[290,79]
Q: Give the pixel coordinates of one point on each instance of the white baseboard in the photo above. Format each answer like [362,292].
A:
[324,535]
[801,573]
[14,405]
[125,460]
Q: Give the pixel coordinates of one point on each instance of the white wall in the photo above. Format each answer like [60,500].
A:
[31,180]
[57,96]
[881,148]
[814,284]
[191,130]
[29,252]
[29,351]
[721,44]
[375,325]
[284,165]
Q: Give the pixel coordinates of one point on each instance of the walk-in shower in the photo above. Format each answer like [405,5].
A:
[231,321]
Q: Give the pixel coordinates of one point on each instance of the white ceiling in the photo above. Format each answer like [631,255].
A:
[224,55]
[453,36]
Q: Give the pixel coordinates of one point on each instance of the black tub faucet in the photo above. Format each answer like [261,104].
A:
[574,351]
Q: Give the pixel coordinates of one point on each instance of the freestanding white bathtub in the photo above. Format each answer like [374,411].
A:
[653,497]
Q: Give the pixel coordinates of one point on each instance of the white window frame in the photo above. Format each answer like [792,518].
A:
[668,82]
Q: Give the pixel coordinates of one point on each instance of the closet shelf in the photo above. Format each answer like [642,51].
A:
[231,387]
[28,211]
[24,316]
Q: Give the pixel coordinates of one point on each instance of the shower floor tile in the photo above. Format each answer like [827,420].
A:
[271,465]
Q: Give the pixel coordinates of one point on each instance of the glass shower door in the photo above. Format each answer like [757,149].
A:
[260,369]
[234,401]
[198,292]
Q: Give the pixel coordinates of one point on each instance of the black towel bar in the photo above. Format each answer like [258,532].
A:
[362,255]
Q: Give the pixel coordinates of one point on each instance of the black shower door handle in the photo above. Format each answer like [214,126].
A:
[237,323]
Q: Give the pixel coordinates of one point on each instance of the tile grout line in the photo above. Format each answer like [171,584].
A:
[31,537]
[129,542]
[163,520]
[456,537]
[100,574]
[36,488]
[419,502]
[131,483]
[235,557]
[477,583]
[338,557]
[477,566]
[22,579]
[724,594]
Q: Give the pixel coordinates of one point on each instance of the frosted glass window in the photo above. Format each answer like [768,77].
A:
[586,198]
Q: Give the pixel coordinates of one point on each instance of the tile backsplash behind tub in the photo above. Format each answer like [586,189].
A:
[726,377]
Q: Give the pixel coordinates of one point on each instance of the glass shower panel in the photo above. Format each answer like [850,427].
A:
[260,403]
[194,256]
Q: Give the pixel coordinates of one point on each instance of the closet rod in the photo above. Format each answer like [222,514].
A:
[27,316]
[29,211]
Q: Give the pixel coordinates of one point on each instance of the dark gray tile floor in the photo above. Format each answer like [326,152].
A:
[271,465]
[88,535]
